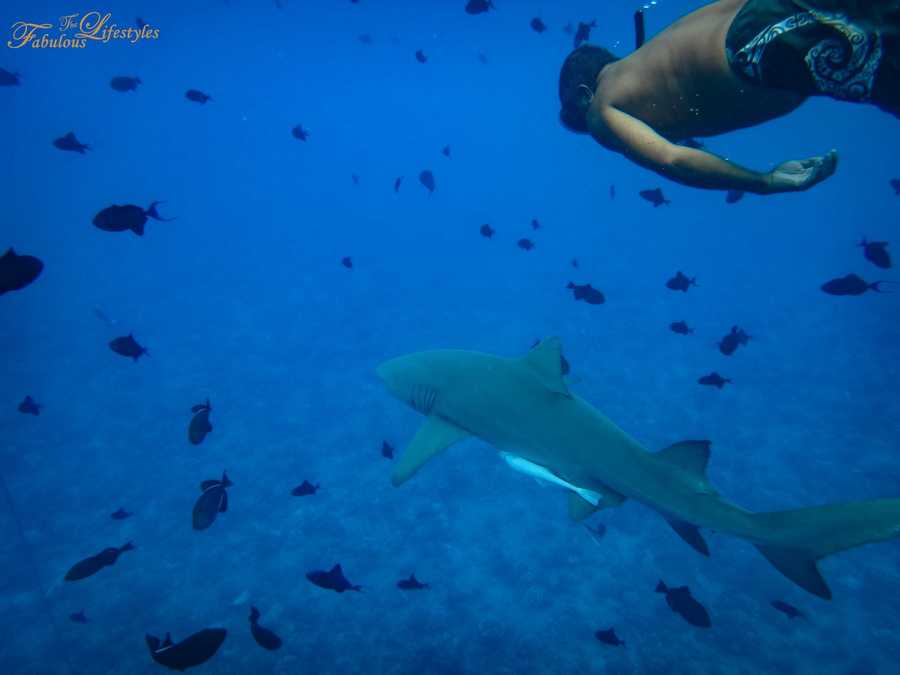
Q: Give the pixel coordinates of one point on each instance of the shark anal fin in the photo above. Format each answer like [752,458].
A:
[579,508]
[545,360]
[691,534]
[798,566]
[432,437]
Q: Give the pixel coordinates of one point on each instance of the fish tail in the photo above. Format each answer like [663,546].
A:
[254,615]
[127,547]
[153,213]
[661,587]
[875,285]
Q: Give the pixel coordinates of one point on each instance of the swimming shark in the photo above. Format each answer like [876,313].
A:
[523,407]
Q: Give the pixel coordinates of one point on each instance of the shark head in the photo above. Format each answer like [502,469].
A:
[416,379]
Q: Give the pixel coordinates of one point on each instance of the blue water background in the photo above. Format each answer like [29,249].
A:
[243,299]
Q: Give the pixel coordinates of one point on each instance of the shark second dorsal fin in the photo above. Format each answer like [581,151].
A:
[546,362]
[432,437]
[692,456]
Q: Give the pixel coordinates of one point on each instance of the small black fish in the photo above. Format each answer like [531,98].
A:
[609,637]
[680,327]
[682,602]
[305,488]
[525,244]
[654,196]
[714,380]
[300,133]
[411,584]
[478,6]
[125,83]
[192,651]
[587,293]
[420,56]
[29,406]
[365,38]
[78,617]
[734,196]
[93,564]
[8,79]
[583,34]
[445,151]
[18,271]
[895,182]
[120,514]
[128,346]
[197,96]
[564,366]
[129,217]
[851,285]
[537,25]
[597,532]
[387,450]
[347,262]
[692,143]
[140,23]
[486,231]
[736,338]
[397,181]
[264,637]
[212,502]
[70,143]
[574,263]
[680,282]
[355,178]
[426,178]
[333,580]
[535,225]
[787,609]
[612,191]
[876,253]
[199,426]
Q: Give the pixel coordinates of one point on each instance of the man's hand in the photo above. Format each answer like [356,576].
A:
[802,174]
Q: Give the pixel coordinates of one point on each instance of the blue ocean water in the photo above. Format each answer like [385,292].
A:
[243,299]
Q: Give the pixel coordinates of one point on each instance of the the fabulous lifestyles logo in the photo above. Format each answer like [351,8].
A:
[77,31]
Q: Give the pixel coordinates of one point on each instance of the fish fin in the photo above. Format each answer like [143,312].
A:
[691,534]
[254,614]
[546,362]
[205,485]
[168,641]
[691,456]
[223,507]
[432,438]
[798,566]
[152,642]
[579,508]
[138,229]
[661,587]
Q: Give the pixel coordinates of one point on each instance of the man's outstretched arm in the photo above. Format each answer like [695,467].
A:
[636,140]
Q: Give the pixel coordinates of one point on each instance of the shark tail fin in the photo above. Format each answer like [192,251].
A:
[804,536]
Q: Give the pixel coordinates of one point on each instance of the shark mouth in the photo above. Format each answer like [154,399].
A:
[422,399]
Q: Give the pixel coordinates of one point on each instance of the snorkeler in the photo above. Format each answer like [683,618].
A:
[730,65]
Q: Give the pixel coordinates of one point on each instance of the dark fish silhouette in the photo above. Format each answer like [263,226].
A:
[387,450]
[70,143]
[305,488]
[90,566]
[212,502]
[347,262]
[564,367]
[478,6]
[482,58]
[525,244]
[120,514]
[300,133]
[127,346]
[574,263]
[8,79]
[355,178]
[851,285]
[714,380]
[609,637]
[397,181]
[612,191]
[537,25]
[420,56]
[895,182]
[583,34]
[29,406]
[426,178]
[788,610]
[682,602]
[192,651]
[692,143]
[535,225]
[199,426]
[197,96]
[486,231]
[736,338]
[264,637]
[734,196]
[654,196]
[445,151]
[411,584]
[680,282]
[129,217]
[587,293]
[597,532]
[333,580]
[365,38]
[18,271]
[125,83]
[876,253]
[680,327]
[78,617]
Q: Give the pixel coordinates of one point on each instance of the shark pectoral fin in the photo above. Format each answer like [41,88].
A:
[546,362]
[691,534]
[798,566]
[432,437]
[579,508]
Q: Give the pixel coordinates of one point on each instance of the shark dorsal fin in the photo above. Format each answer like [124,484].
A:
[546,361]
[692,456]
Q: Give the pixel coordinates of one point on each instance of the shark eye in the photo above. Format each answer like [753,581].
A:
[423,399]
